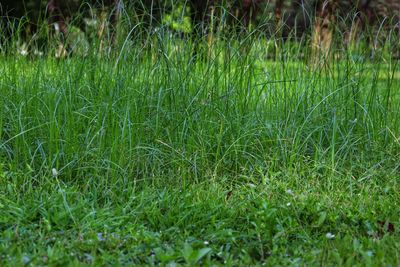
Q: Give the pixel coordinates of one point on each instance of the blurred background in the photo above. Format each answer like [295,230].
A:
[35,27]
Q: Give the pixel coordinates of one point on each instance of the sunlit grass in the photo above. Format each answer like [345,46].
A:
[157,155]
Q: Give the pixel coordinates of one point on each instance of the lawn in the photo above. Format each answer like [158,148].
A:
[155,157]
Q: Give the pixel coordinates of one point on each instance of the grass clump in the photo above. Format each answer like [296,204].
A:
[153,157]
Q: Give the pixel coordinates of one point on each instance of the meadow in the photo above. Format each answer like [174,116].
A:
[250,155]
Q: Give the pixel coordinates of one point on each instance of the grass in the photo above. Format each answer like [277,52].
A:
[151,157]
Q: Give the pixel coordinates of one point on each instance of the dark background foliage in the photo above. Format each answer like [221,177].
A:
[315,20]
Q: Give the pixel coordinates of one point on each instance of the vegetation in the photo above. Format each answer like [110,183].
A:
[241,149]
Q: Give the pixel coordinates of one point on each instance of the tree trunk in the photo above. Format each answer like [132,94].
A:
[323,29]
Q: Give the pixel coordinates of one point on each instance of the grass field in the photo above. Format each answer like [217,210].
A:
[151,157]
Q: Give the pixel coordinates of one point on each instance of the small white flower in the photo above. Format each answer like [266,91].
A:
[38,53]
[288,204]
[23,52]
[54,172]
[330,235]
[289,191]
[206,243]
[56,27]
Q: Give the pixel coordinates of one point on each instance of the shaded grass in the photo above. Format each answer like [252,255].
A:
[143,157]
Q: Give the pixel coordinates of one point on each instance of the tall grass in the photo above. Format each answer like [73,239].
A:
[156,113]
[159,112]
